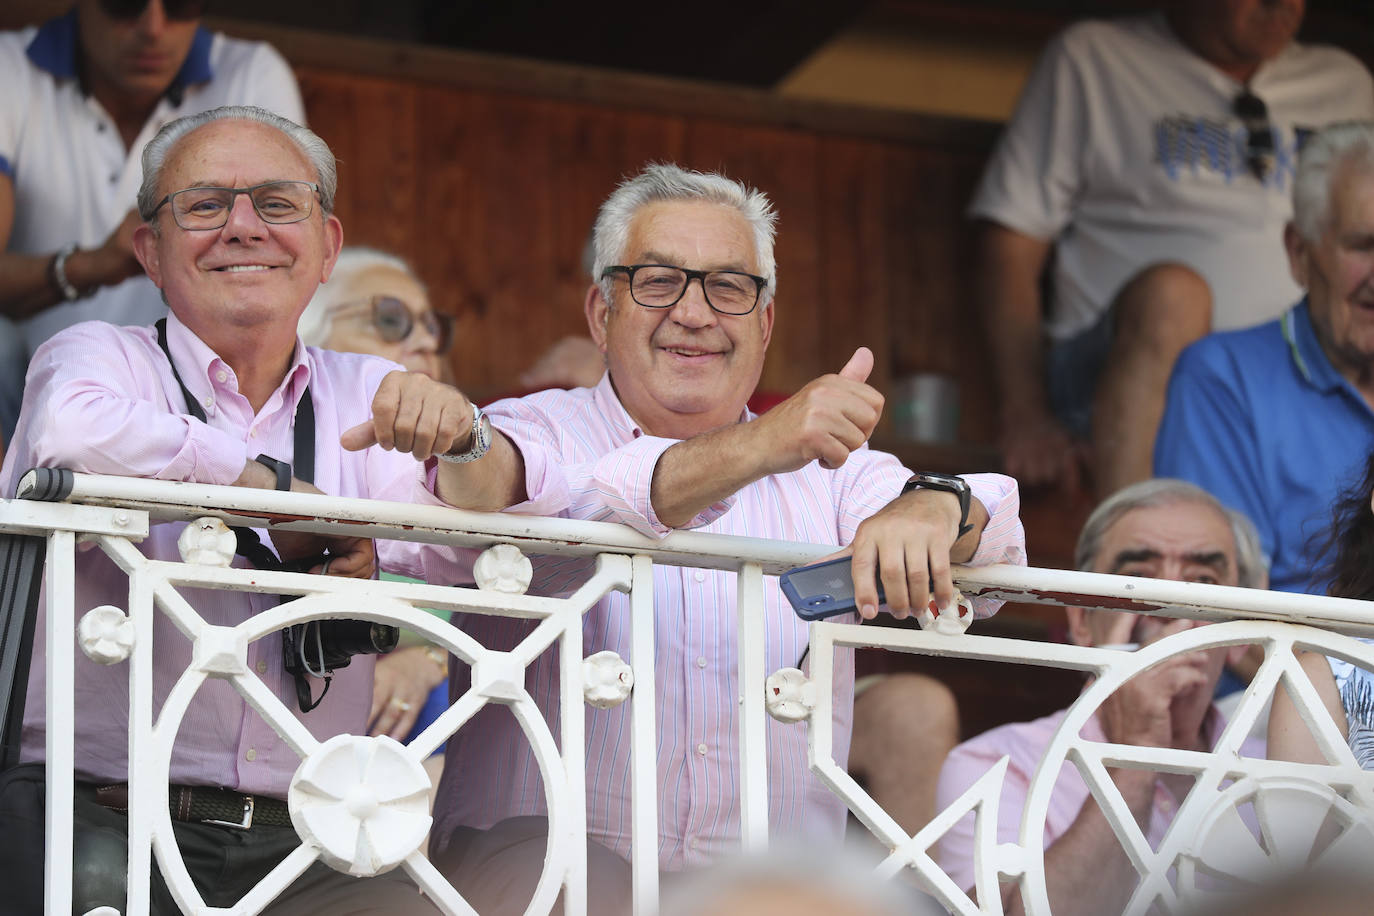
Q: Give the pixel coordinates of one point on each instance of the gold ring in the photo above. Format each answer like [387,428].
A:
[402,705]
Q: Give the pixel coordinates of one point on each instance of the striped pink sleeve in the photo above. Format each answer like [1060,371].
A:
[1003,540]
[616,488]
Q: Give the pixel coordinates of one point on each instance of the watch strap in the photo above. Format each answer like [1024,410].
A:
[480,443]
[945,483]
[281,468]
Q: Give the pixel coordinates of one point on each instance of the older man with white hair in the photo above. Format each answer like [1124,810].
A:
[682,307]
[1161,529]
[1276,420]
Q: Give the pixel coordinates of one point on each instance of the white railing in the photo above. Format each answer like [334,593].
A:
[114,513]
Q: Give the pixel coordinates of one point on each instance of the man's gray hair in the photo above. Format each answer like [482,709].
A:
[664,181]
[1322,157]
[353,262]
[1251,568]
[160,147]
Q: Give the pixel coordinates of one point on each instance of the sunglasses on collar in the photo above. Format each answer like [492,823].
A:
[183,10]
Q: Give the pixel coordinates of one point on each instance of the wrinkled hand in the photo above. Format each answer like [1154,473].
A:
[573,362]
[413,413]
[1038,451]
[401,684]
[829,418]
[1139,712]
[907,545]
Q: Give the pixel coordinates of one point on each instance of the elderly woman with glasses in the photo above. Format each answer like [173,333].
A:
[373,303]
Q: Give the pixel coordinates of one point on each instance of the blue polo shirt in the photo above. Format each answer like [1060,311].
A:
[1262,420]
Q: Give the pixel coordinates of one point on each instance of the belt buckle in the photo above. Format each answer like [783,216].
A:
[247,821]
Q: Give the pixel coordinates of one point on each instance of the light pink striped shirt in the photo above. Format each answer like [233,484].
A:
[608,463]
[102,399]
[1025,743]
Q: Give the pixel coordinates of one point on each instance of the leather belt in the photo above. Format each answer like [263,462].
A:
[207,805]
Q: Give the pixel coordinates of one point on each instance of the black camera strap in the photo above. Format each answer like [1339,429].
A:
[247,543]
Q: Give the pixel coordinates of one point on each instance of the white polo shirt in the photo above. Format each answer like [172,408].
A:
[73,179]
[1126,151]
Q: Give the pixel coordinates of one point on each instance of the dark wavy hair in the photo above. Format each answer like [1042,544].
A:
[1350,543]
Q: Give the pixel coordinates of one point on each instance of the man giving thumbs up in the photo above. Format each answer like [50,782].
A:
[681,307]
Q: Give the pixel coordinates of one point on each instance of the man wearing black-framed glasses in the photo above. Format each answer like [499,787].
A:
[682,306]
[1136,201]
[83,94]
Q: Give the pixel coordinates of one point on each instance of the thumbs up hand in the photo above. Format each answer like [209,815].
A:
[826,421]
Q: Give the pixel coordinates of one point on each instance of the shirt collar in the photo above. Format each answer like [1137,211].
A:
[1306,350]
[605,396]
[56,44]
[188,350]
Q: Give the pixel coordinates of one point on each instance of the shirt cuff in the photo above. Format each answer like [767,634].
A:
[623,482]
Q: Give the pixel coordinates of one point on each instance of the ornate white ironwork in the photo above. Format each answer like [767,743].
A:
[207,541]
[364,802]
[789,695]
[503,568]
[355,800]
[106,635]
[607,679]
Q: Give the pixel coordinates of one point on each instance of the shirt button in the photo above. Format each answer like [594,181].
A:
[250,755]
[100,128]
[252,434]
[262,667]
[114,179]
[694,843]
[699,575]
[701,749]
[701,661]
[221,376]
[208,402]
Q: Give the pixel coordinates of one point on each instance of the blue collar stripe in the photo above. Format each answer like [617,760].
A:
[55,46]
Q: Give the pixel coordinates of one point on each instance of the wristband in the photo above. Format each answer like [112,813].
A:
[58,273]
[281,468]
[946,483]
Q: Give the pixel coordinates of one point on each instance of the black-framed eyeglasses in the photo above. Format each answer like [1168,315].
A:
[181,10]
[394,321]
[1259,133]
[208,208]
[661,286]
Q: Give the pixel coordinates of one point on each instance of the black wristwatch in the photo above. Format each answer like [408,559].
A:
[281,468]
[949,484]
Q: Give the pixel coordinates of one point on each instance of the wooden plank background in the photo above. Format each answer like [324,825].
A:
[491,195]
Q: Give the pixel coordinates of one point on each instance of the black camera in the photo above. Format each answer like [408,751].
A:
[319,647]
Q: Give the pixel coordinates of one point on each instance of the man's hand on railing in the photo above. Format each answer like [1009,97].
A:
[352,558]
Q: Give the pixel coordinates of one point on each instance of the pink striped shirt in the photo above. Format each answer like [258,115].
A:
[1025,743]
[102,399]
[608,463]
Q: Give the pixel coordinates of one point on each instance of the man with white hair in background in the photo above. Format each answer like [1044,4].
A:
[1161,529]
[1277,420]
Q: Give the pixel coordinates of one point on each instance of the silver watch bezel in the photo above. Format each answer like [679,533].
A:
[481,440]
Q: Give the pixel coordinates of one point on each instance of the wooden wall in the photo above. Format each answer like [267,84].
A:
[491,194]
